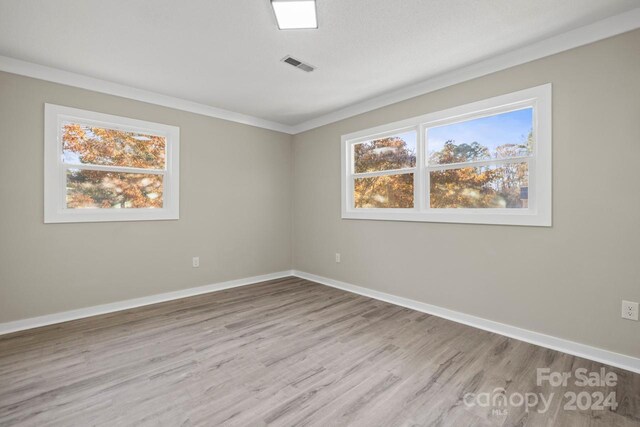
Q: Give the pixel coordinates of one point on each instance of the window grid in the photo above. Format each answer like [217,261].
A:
[57,169]
[537,211]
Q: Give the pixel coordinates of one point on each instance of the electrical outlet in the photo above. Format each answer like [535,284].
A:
[196,262]
[630,310]
[337,257]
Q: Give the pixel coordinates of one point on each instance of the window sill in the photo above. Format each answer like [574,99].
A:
[524,217]
[97,215]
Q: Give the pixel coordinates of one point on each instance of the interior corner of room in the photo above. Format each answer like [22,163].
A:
[230,220]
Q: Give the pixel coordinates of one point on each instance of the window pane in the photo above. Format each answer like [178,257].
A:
[388,191]
[394,152]
[497,186]
[82,144]
[99,189]
[500,136]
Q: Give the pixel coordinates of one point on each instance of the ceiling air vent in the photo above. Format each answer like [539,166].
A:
[298,64]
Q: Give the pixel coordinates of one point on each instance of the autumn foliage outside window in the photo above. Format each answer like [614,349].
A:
[395,153]
[495,148]
[486,162]
[101,167]
[89,188]
[488,169]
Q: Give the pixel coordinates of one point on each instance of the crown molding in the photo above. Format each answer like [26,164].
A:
[41,72]
[599,30]
[581,36]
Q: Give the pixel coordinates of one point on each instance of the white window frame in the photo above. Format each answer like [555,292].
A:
[55,209]
[538,212]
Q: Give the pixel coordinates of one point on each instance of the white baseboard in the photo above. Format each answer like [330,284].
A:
[570,347]
[65,316]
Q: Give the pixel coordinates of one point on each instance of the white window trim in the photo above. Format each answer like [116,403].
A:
[55,210]
[540,180]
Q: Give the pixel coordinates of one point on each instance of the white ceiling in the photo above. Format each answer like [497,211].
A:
[227,54]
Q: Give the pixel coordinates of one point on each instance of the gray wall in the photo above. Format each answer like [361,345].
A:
[568,280]
[236,213]
[235,210]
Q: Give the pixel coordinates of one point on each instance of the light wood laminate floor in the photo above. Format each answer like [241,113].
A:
[284,352]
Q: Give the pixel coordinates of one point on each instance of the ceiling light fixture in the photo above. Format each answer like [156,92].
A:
[295,14]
